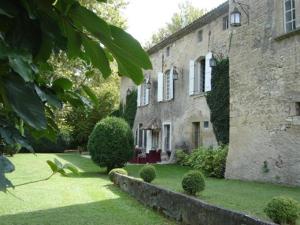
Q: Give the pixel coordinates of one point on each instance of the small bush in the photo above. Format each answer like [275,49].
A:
[181,157]
[282,210]
[193,182]
[117,170]
[111,143]
[148,173]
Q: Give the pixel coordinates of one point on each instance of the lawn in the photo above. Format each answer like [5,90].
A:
[247,197]
[85,200]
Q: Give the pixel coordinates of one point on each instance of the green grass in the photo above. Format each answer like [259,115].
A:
[247,197]
[85,200]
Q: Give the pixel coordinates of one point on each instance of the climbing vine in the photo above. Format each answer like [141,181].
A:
[128,110]
[218,100]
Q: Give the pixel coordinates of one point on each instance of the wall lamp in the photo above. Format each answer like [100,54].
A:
[236,16]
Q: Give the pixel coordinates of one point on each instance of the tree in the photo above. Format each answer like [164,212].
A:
[30,31]
[187,13]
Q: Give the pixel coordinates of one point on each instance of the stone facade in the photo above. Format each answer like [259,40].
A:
[264,90]
[184,109]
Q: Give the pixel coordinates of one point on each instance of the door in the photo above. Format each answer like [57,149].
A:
[167,138]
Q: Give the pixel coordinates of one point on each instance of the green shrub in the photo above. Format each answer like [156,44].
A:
[282,210]
[117,170]
[193,182]
[148,173]
[210,161]
[111,143]
[181,157]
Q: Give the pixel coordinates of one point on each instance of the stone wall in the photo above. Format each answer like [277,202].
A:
[180,207]
[264,89]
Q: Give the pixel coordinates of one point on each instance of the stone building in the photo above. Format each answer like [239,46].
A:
[264,55]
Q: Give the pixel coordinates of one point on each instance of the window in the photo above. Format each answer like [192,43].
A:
[289,15]
[167,85]
[143,94]
[136,137]
[200,36]
[167,137]
[140,135]
[196,134]
[199,78]
[155,139]
[145,139]
[206,124]
[168,51]
[297,108]
[225,23]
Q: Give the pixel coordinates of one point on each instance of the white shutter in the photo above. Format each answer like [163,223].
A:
[208,72]
[192,77]
[139,95]
[149,141]
[147,93]
[171,83]
[160,89]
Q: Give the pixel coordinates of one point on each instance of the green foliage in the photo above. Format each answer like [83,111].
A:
[211,162]
[116,170]
[283,210]
[193,182]
[111,143]
[128,110]
[30,32]
[57,167]
[148,173]
[187,14]
[5,167]
[218,101]
[181,157]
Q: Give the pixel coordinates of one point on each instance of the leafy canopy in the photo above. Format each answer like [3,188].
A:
[30,31]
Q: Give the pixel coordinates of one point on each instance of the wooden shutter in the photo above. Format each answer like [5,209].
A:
[160,89]
[208,72]
[147,92]
[139,95]
[171,83]
[149,141]
[192,77]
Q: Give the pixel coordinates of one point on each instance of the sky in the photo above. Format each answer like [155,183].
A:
[147,16]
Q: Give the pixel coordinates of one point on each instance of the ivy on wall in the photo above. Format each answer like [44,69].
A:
[218,101]
[128,110]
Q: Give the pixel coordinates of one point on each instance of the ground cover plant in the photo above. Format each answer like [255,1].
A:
[87,199]
[247,197]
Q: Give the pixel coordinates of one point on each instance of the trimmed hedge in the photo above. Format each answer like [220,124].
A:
[148,173]
[116,170]
[193,182]
[111,143]
[283,210]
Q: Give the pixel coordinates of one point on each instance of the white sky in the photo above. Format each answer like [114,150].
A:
[147,16]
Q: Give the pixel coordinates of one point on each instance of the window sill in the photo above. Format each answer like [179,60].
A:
[165,101]
[287,35]
[142,106]
[294,120]
[200,94]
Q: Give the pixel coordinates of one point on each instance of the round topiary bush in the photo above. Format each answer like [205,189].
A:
[193,182]
[111,143]
[283,210]
[148,173]
[117,170]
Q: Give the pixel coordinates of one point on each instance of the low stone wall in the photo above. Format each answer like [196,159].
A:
[180,207]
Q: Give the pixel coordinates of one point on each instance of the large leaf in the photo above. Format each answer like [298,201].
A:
[97,56]
[84,18]
[130,47]
[21,66]
[74,41]
[53,166]
[62,84]
[4,183]
[91,94]
[6,166]
[58,164]
[72,168]
[46,95]
[24,101]
[7,8]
